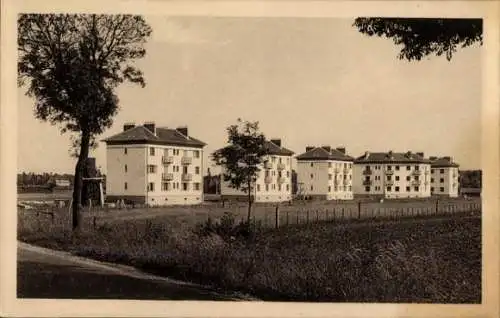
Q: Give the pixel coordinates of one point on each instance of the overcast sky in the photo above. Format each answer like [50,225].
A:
[308,81]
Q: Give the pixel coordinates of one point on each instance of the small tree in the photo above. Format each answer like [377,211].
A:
[421,37]
[242,158]
[71,65]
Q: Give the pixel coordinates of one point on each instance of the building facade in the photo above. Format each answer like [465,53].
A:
[273,182]
[392,175]
[154,165]
[444,177]
[325,173]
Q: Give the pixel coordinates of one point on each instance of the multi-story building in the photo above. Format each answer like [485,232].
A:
[444,176]
[392,175]
[154,165]
[325,173]
[274,180]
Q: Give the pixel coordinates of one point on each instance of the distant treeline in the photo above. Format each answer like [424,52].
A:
[470,179]
[31,179]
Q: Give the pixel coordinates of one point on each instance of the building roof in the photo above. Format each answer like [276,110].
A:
[274,149]
[164,136]
[391,157]
[319,153]
[443,162]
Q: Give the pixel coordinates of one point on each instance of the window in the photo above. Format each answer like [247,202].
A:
[408,178]
[416,168]
[441,180]
[126,168]
[416,178]
[152,151]
[329,177]
[197,170]
[151,169]
[432,179]
[184,186]
[397,168]
[273,186]
[165,186]
[416,188]
[288,174]
[287,187]
[408,168]
[151,187]
[258,187]
[397,189]
[279,187]
[407,189]
[350,188]
[267,187]
[196,186]
[125,186]
[345,177]
[279,174]
[312,164]
[196,154]
[279,160]
[389,168]
[367,178]
[397,178]
[125,150]
[312,188]
[312,176]
[329,188]
[432,189]
[441,170]
[389,178]
[441,189]
[432,170]
[184,169]
[329,165]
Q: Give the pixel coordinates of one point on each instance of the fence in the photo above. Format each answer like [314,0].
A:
[280,216]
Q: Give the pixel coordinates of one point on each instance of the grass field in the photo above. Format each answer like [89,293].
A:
[429,260]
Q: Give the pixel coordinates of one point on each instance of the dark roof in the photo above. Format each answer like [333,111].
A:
[164,136]
[320,153]
[274,149]
[444,162]
[391,157]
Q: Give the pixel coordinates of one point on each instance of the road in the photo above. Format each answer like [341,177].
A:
[43,273]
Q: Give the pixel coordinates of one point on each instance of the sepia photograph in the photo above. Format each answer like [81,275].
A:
[250,159]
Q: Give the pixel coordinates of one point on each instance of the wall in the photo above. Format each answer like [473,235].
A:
[317,179]
[116,176]
[449,184]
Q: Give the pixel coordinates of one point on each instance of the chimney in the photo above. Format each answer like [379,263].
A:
[341,149]
[309,148]
[183,130]
[367,154]
[277,142]
[408,154]
[327,148]
[128,126]
[421,154]
[432,158]
[448,158]
[150,126]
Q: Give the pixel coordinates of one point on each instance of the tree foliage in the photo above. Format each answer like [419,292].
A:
[421,37]
[70,64]
[242,157]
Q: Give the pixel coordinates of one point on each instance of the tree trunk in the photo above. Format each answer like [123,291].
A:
[78,183]
[249,202]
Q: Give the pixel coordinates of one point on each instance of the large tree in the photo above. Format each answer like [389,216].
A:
[71,65]
[421,37]
[242,158]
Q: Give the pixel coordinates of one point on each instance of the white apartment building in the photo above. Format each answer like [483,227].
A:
[325,173]
[444,177]
[154,165]
[274,181]
[392,175]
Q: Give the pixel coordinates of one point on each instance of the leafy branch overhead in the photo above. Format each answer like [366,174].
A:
[421,37]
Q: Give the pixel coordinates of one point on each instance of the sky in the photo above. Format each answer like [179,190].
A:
[308,81]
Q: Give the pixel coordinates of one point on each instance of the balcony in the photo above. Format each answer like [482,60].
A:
[389,182]
[415,182]
[281,180]
[268,165]
[336,170]
[167,160]
[389,172]
[187,177]
[281,166]
[346,170]
[367,172]
[416,172]
[345,182]
[167,176]
[427,172]
[268,179]
[186,160]
[367,182]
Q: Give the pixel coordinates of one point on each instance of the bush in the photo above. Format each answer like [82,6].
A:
[227,228]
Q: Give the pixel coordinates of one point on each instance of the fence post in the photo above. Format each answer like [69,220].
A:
[437,206]
[287,218]
[359,210]
[277,216]
[94,222]
[317,216]
[307,219]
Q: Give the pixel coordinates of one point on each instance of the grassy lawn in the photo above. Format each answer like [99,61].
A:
[421,260]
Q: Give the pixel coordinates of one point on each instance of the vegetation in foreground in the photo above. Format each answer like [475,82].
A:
[427,261]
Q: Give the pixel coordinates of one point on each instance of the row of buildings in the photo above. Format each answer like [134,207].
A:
[161,166]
